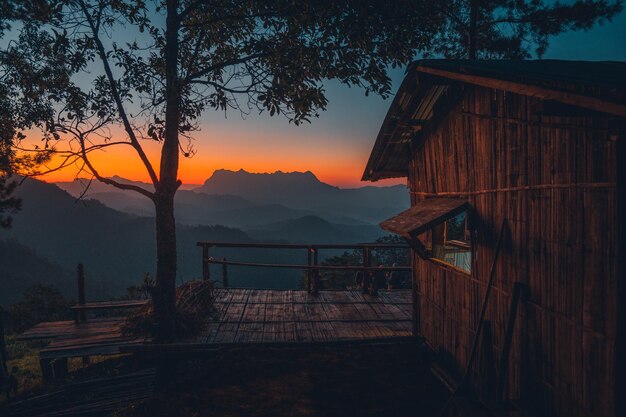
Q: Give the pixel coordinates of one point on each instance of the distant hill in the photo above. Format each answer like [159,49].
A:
[21,267]
[55,231]
[117,248]
[80,185]
[314,229]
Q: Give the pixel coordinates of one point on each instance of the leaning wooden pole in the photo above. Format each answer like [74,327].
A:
[519,292]
[480,324]
[483,310]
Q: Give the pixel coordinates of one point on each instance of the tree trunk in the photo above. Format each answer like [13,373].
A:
[472,41]
[165,292]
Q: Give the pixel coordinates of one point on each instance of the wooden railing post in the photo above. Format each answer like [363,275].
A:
[366,273]
[309,271]
[224,273]
[80,279]
[375,276]
[205,263]
[315,272]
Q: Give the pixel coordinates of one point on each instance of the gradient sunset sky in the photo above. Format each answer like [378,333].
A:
[336,145]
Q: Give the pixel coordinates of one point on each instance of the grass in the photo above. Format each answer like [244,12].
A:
[24,364]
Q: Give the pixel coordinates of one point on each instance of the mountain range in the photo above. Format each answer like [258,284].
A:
[112,233]
[117,248]
[250,201]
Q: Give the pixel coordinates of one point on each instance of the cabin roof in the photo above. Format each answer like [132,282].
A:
[430,85]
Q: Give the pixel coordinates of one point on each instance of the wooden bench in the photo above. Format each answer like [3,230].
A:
[83,339]
[104,305]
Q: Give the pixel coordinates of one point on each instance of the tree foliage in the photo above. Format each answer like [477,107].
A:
[39,303]
[513,29]
[24,86]
[176,59]
[342,279]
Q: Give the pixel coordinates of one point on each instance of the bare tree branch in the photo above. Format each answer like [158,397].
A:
[117,98]
[221,65]
[110,181]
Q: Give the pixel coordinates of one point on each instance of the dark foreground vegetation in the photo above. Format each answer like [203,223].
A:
[383,380]
[375,380]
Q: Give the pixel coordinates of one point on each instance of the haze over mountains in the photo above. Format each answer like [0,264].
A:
[249,201]
[112,232]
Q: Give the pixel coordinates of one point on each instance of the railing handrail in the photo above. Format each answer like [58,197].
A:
[302,245]
[316,267]
[312,268]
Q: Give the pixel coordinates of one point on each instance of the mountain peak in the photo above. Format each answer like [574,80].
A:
[295,189]
[225,173]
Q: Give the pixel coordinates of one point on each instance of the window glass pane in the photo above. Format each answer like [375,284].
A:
[449,242]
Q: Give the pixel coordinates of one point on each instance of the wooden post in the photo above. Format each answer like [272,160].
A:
[224,274]
[4,370]
[80,278]
[315,273]
[309,271]
[366,273]
[59,368]
[46,370]
[375,277]
[205,263]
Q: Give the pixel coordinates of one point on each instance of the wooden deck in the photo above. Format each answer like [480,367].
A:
[286,316]
[249,316]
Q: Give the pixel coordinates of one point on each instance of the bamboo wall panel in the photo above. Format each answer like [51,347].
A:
[553,180]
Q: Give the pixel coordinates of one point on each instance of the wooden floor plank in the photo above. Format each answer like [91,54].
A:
[254,316]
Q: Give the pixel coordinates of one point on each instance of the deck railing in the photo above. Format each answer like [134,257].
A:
[312,267]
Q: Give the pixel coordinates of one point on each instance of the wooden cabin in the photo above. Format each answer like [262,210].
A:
[516,176]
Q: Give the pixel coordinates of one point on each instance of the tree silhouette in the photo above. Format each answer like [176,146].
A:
[513,29]
[183,57]
[21,107]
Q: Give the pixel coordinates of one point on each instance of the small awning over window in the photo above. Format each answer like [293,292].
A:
[424,215]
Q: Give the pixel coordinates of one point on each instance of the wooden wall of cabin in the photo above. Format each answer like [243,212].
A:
[561,243]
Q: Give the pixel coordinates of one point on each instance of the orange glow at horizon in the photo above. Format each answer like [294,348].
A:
[268,151]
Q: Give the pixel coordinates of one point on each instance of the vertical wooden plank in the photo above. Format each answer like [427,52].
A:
[205,263]
[80,280]
[224,274]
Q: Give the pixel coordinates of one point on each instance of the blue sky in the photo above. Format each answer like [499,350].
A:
[349,126]
[334,146]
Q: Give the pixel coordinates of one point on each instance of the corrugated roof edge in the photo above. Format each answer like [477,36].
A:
[379,144]
[525,77]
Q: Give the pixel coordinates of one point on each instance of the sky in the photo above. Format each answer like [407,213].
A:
[334,146]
